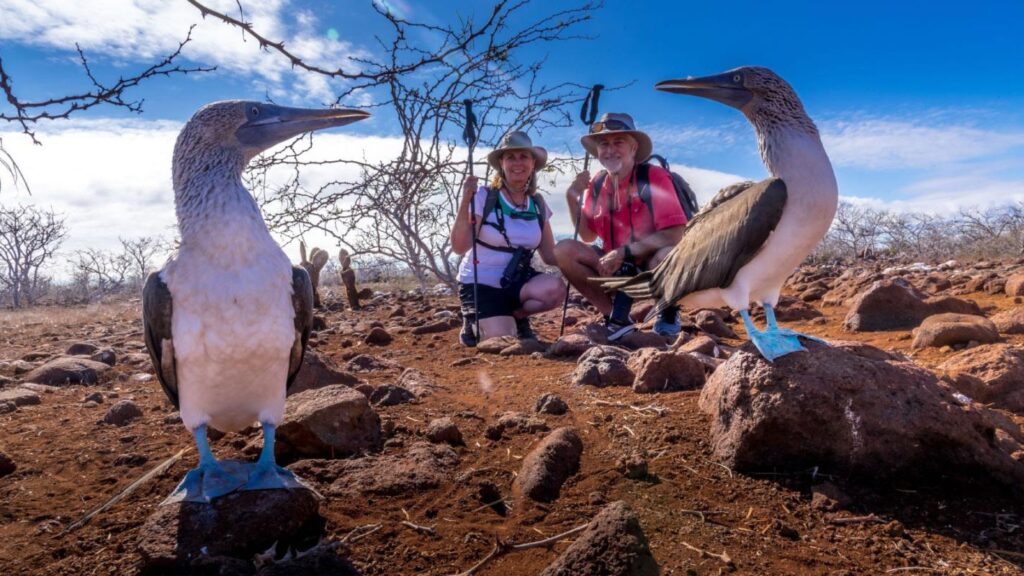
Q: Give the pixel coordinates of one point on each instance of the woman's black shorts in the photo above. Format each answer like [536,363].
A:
[494,301]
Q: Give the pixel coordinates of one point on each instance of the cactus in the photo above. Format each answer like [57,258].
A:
[348,278]
[316,262]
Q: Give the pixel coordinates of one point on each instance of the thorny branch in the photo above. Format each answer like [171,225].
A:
[402,209]
[26,113]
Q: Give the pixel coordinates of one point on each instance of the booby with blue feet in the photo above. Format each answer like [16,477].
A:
[227,319]
[744,244]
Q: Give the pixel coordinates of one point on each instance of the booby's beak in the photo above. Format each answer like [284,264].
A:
[726,88]
[269,124]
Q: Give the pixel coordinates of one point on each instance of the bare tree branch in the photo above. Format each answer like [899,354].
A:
[25,113]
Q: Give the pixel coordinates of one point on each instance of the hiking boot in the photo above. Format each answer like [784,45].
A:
[467,337]
[616,329]
[668,324]
[523,330]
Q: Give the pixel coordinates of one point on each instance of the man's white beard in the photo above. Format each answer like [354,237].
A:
[612,165]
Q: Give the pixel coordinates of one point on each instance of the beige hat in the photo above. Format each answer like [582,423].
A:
[517,140]
[617,123]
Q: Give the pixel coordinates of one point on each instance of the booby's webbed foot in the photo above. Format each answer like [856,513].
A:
[266,474]
[204,484]
[773,342]
[210,479]
[773,326]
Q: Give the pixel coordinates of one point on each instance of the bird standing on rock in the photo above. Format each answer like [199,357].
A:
[228,317]
[744,244]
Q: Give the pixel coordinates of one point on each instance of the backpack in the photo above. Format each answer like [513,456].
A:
[491,202]
[687,199]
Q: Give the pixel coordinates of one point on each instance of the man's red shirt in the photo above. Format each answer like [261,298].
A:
[619,221]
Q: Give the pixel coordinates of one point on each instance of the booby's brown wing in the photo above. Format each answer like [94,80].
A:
[157,308]
[302,301]
[719,241]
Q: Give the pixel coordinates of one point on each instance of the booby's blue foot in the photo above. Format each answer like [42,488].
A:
[773,326]
[773,342]
[209,480]
[266,474]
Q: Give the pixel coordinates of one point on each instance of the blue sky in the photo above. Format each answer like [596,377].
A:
[919,103]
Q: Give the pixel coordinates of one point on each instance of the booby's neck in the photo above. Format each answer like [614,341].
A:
[793,151]
[209,198]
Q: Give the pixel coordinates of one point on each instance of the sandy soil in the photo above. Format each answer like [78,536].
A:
[765,524]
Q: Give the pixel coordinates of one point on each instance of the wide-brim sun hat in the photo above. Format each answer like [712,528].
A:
[617,123]
[517,140]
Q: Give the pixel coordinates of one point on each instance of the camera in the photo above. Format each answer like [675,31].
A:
[518,268]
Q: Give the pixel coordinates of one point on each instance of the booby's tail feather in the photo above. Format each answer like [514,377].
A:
[637,287]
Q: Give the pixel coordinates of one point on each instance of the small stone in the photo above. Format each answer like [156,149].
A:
[6,465]
[546,468]
[551,404]
[81,349]
[612,544]
[123,413]
[391,395]
[632,465]
[107,357]
[378,337]
[130,460]
[444,431]
[96,397]
[7,407]
[20,397]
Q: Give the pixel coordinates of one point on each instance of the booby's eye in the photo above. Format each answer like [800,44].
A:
[255,111]
[736,78]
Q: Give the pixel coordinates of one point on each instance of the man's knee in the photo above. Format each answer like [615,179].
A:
[571,253]
[567,252]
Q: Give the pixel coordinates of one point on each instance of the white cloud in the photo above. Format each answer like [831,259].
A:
[133,31]
[894,144]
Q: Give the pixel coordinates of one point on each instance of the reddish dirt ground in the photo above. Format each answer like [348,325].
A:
[764,523]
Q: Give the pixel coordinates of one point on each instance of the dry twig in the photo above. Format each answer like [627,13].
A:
[160,469]
[724,556]
[502,548]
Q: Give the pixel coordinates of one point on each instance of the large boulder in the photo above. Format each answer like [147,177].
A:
[856,411]
[951,329]
[549,465]
[1015,285]
[317,372]
[613,544]
[991,374]
[886,305]
[423,467]
[896,305]
[239,525]
[1010,321]
[658,371]
[67,370]
[603,366]
[329,422]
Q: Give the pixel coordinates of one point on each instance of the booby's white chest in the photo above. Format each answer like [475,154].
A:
[232,326]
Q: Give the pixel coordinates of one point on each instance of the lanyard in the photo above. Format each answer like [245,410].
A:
[629,210]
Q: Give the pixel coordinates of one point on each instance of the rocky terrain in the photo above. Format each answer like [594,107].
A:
[896,449]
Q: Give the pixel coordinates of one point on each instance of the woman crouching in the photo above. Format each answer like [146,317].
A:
[513,222]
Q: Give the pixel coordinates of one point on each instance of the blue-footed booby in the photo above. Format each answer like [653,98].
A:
[751,236]
[228,317]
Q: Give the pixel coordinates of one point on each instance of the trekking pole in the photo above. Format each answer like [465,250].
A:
[588,113]
[469,137]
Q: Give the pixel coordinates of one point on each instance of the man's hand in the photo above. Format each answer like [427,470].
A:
[610,263]
[579,185]
[469,187]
